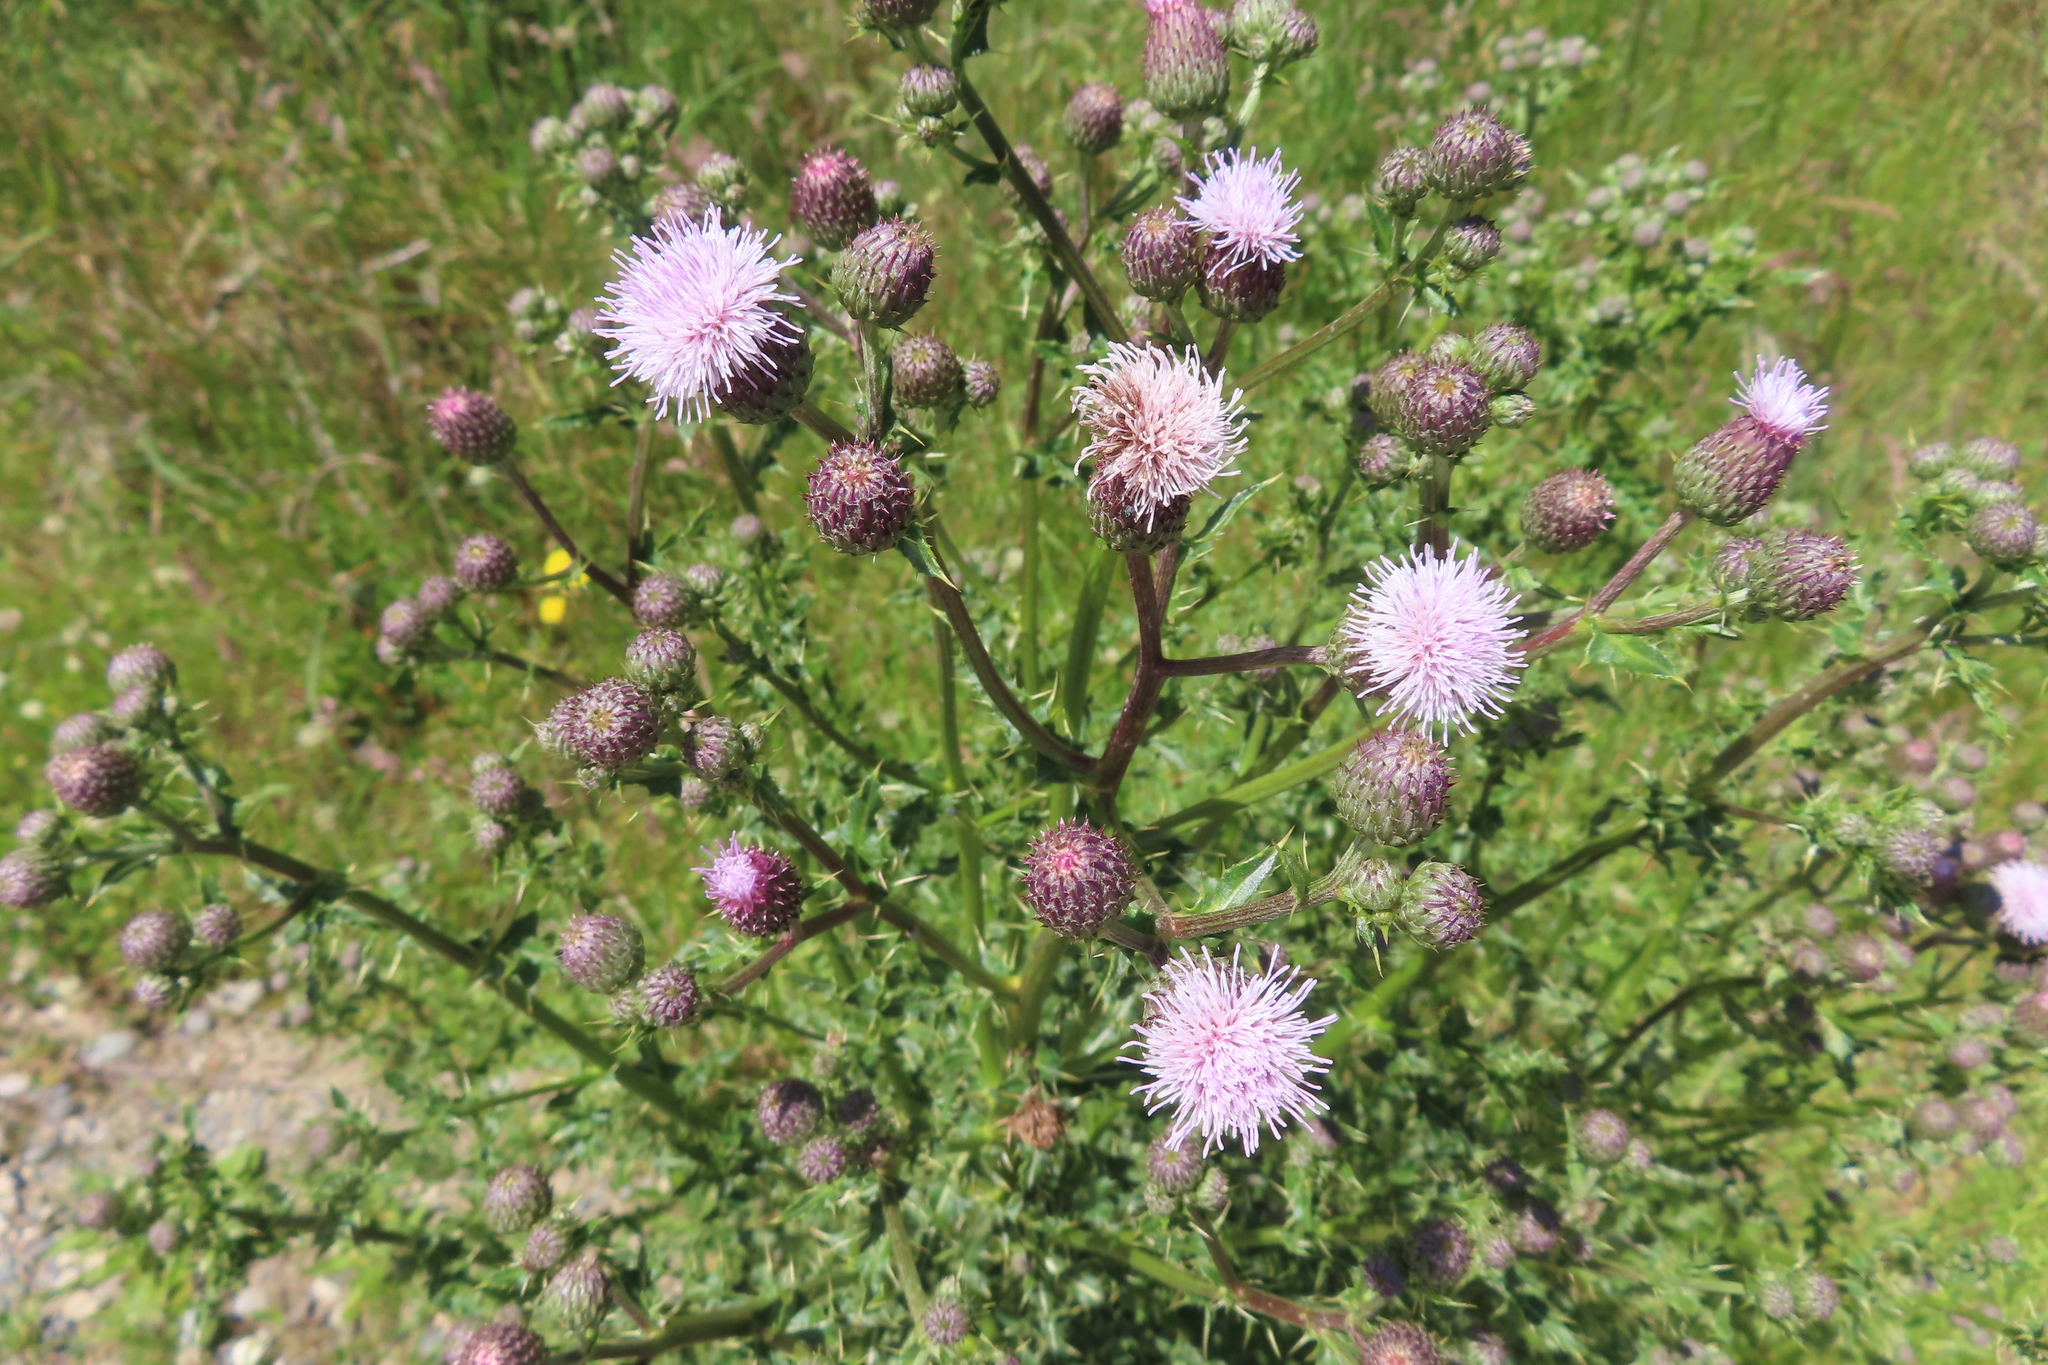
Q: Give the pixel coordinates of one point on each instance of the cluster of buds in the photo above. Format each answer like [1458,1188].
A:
[406,628]
[671,601]
[34,873]
[1809,1296]
[507,808]
[609,149]
[1471,155]
[850,1134]
[1176,1176]
[1975,488]
[1441,404]
[1437,904]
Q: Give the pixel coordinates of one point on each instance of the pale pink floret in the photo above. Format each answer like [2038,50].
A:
[692,309]
[1783,403]
[1247,207]
[1434,637]
[1161,425]
[2022,900]
[736,874]
[1228,1051]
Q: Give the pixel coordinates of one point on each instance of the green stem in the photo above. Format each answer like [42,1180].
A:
[823,426]
[636,501]
[1231,800]
[1032,665]
[736,471]
[1434,492]
[903,1252]
[741,1319]
[1145,1263]
[875,376]
[966,833]
[948,600]
[1074,678]
[1249,110]
[1039,970]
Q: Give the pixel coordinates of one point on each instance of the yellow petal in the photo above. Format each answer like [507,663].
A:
[552,610]
[557,561]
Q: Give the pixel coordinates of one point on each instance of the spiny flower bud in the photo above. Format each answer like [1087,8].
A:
[1799,574]
[2030,1017]
[404,626]
[758,892]
[1242,291]
[1442,905]
[1077,878]
[1035,170]
[1393,788]
[580,1291]
[822,1161]
[545,1247]
[1443,409]
[96,779]
[600,952]
[1775,1298]
[1732,566]
[663,600]
[597,165]
[929,91]
[484,563]
[714,747]
[217,927]
[1933,1119]
[1162,254]
[1568,511]
[1439,1252]
[2005,534]
[886,272]
[857,1111]
[141,666]
[1475,154]
[494,788]
[97,1211]
[1275,32]
[1399,1343]
[945,1322]
[154,993]
[1928,461]
[662,661]
[1173,1167]
[493,837]
[980,383]
[1391,381]
[789,1111]
[1603,1136]
[860,498]
[550,134]
[30,879]
[1373,888]
[471,426]
[607,726]
[1818,1296]
[831,199]
[517,1197]
[135,706]
[1187,67]
[603,106]
[653,106]
[1506,356]
[437,596]
[1992,458]
[1403,180]
[1472,242]
[503,1343]
[85,728]
[1860,956]
[1125,529]
[897,13]
[771,387]
[928,374]
[1383,461]
[45,829]
[670,996]
[1913,853]
[1095,118]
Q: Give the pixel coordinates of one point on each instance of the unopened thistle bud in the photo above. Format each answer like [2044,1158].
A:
[1390,382]
[602,106]
[1077,878]
[1400,1343]
[1471,243]
[1568,511]
[1603,1136]
[1373,888]
[45,829]
[471,426]
[545,1248]
[1798,574]
[517,1197]
[1444,410]
[1383,461]
[714,747]
[96,779]
[217,927]
[1994,459]
[1933,1120]
[1860,956]
[1275,32]
[928,374]
[928,91]
[1187,67]
[1506,356]
[771,386]
[492,837]
[1913,853]
[1125,527]
[1170,161]
[670,996]
[1474,154]
[1393,788]
[141,666]
[30,879]
[601,953]
[663,601]
[85,728]
[1403,180]
[1442,905]
[1818,1296]
[1162,254]
[662,661]
[484,563]
[495,789]
[830,198]
[597,166]
[723,177]
[1095,118]
[822,1161]
[1733,472]
[860,499]
[981,383]
[1929,461]
[886,272]
[1732,566]
[580,1292]
[550,134]
[608,726]
[2004,534]
[945,1322]
[1241,291]
[1173,1167]
[437,597]
[789,1111]
[1439,1252]
[502,1343]
[896,14]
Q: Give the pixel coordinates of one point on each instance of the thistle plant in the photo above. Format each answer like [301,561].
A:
[1176,984]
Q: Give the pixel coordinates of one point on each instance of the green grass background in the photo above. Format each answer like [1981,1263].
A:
[243,244]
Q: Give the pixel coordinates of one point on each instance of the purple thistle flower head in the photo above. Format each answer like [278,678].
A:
[1228,1051]
[437,596]
[1247,207]
[670,996]
[1475,154]
[928,373]
[546,1246]
[30,879]
[887,271]
[1435,637]
[756,890]
[1130,527]
[662,660]
[484,563]
[1778,397]
[503,1343]
[694,312]
[981,383]
[945,1322]
[95,779]
[822,1161]
[2022,889]
[1243,291]
[773,387]
[1443,409]
[1399,1343]
[1160,424]
[789,1111]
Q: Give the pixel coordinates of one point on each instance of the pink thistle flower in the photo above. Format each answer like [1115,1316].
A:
[1435,636]
[1162,428]
[757,890]
[1228,1051]
[1782,402]
[693,311]
[2022,900]
[1247,208]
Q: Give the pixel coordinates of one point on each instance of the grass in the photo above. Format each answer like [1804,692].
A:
[244,244]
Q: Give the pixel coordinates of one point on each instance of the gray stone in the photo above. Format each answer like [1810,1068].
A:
[109,1047]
